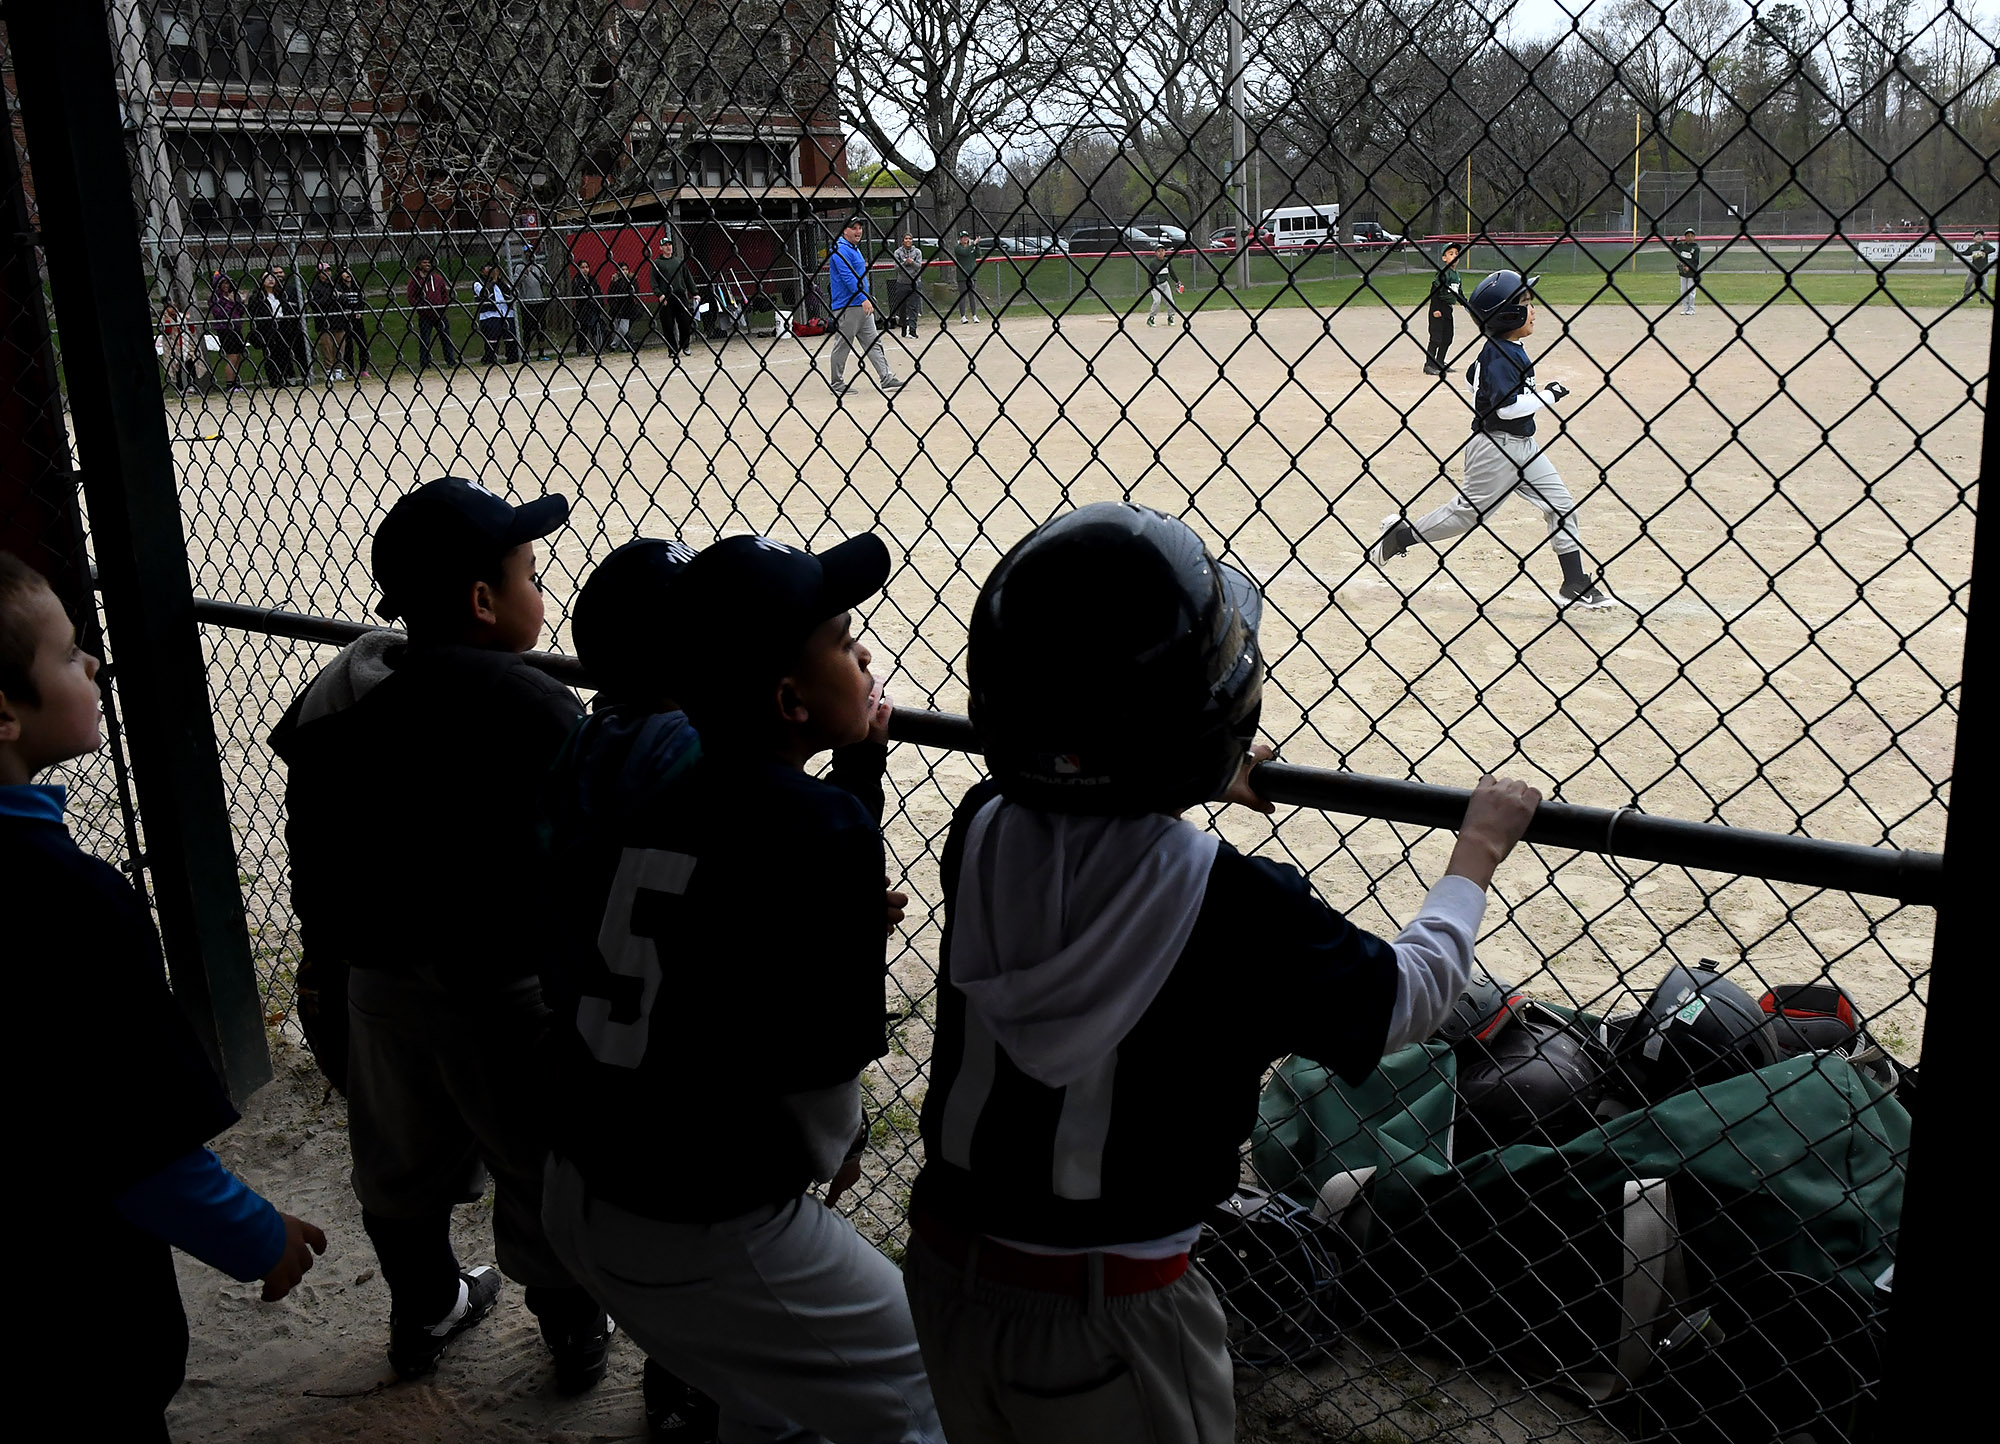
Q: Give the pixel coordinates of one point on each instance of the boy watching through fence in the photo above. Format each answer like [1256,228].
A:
[684,1150]
[1116,982]
[123,1145]
[413,796]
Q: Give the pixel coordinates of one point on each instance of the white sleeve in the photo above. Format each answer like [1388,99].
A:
[1526,404]
[1434,960]
[829,1119]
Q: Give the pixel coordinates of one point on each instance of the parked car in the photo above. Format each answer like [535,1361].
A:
[1225,239]
[1371,233]
[1085,239]
[1172,235]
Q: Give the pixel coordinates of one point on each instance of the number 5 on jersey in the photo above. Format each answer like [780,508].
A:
[615,1028]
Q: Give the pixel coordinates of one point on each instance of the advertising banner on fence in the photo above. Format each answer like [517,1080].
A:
[1887,253]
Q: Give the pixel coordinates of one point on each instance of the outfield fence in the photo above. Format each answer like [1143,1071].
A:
[1754,753]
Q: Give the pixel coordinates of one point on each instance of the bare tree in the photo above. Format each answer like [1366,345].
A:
[922,81]
[1157,77]
[537,94]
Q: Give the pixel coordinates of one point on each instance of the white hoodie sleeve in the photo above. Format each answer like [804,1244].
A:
[1434,960]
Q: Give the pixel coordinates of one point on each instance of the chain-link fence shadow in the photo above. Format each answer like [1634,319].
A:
[1215,259]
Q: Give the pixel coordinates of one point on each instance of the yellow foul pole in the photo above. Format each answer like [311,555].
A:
[1635,190]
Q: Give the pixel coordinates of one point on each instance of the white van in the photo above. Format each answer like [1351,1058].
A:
[1298,227]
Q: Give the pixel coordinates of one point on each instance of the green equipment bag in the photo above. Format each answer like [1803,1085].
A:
[1712,1259]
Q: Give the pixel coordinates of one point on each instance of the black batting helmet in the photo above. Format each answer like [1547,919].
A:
[1499,303]
[1537,1082]
[1697,1028]
[1113,665]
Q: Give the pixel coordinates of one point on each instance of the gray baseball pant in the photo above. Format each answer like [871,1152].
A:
[1498,466]
[441,1091]
[855,330]
[1687,295]
[1011,1366]
[1975,285]
[1162,296]
[793,1323]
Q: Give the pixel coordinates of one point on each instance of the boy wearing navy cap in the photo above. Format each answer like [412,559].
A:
[415,764]
[741,873]
[119,1172]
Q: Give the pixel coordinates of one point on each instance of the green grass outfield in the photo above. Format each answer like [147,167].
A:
[1736,289]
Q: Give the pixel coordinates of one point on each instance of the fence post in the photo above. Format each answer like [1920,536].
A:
[69,108]
[1937,1341]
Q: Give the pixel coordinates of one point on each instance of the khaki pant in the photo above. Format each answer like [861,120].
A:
[1011,1366]
[855,331]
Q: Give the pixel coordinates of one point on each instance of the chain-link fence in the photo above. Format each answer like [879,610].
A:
[1193,254]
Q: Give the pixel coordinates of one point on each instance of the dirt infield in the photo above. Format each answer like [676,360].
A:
[1782,498]
[1778,495]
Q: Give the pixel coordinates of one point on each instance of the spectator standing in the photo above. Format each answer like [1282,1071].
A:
[352,310]
[532,289]
[1978,256]
[329,322]
[1446,291]
[294,324]
[966,254]
[496,316]
[907,301]
[180,349]
[429,297]
[226,321]
[853,311]
[586,311]
[1687,251]
[674,283]
[622,300]
[270,329]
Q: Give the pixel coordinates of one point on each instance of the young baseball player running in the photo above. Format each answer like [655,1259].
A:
[1503,458]
[1164,288]
[413,798]
[1117,981]
[734,884]
[112,1163]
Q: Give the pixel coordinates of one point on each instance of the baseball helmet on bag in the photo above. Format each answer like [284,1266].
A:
[1821,1018]
[1113,665]
[1536,1082]
[1697,1028]
[1276,1267]
[1499,303]
[1482,1010]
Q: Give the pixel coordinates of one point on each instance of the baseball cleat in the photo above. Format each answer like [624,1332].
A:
[414,1348]
[1398,536]
[582,1355]
[1587,595]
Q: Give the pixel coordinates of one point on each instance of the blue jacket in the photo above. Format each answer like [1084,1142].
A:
[850,274]
[1504,372]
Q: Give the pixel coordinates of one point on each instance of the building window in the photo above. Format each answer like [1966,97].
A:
[754,164]
[230,180]
[234,42]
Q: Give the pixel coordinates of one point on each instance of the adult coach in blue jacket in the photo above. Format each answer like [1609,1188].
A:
[853,311]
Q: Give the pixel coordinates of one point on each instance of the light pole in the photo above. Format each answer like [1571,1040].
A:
[1239,176]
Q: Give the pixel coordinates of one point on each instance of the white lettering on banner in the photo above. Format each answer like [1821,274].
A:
[1887,253]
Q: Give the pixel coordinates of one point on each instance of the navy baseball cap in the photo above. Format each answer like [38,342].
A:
[446,533]
[759,600]
[625,620]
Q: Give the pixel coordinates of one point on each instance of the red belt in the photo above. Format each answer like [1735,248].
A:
[1044,1273]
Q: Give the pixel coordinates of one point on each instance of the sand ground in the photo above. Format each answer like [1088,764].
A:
[1782,498]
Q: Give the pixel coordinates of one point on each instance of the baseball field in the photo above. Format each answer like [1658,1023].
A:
[1779,494]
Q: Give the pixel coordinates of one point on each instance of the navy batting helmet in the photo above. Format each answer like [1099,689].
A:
[1113,665]
[1499,303]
